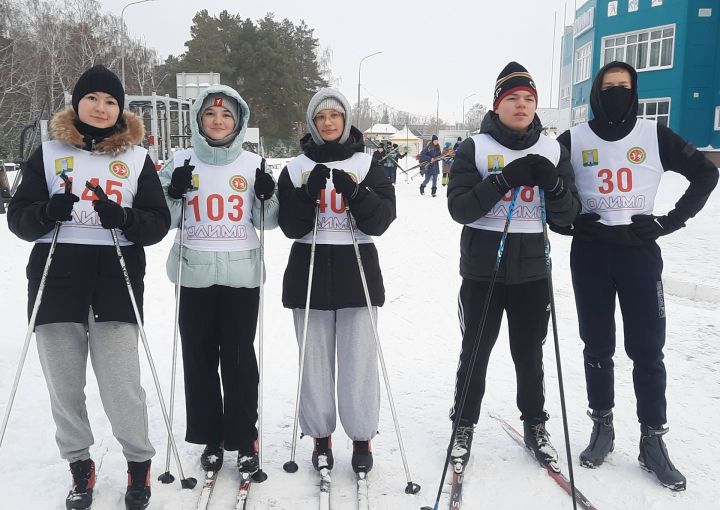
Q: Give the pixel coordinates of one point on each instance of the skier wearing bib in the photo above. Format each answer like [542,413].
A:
[221,274]
[618,161]
[509,152]
[85,307]
[335,170]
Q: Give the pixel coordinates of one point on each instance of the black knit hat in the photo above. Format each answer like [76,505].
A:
[513,77]
[98,79]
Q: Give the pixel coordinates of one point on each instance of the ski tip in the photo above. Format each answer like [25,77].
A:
[259,476]
[188,483]
[428,508]
[412,488]
[290,466]
[166,477]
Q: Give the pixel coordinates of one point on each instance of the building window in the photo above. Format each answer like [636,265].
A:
[564,93]
[584,22]
[717,118]
[583,63]
[645,50]
[612,8]
[579,114]
[656,3]
[633,5]
[655,109]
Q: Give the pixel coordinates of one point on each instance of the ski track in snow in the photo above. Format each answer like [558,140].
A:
[421,341]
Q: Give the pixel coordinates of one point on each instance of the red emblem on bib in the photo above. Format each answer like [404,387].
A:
[119,169]
[238,183]
[636,155]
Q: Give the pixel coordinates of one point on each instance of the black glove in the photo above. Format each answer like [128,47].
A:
[344,184]
[516,173]
[181,180]
[264,184]
[111,214]
[586,226]
[317,180]
[59,207]
[545,175]
[648,227]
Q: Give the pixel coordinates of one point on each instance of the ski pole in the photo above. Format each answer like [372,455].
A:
[167,477]
[548,265]
[476,347]
[411,487]
[33,315]
[186,483]
[291,466]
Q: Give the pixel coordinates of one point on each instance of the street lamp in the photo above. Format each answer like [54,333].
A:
[357,113]
[463,103]
[122,38]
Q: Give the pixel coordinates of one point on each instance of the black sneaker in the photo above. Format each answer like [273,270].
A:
[249,462]
[602,439]
[460,453]
[362,458]
[212,457]
[322,456]
[137,496]
[80,496]
[654,458]
[537,439]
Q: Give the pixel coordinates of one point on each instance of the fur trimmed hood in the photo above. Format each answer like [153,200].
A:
[131,131]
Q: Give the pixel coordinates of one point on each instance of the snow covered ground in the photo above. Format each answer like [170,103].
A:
[421,341]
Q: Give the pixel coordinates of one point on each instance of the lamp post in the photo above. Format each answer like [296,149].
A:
[437,112]
[357,113]
[122,38]
[463,106]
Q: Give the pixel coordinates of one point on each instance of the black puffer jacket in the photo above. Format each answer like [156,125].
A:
[83,275]
[470,197]
[336,278]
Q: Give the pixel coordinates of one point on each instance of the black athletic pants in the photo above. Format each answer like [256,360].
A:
[217,325]
[527,311]
[601,271]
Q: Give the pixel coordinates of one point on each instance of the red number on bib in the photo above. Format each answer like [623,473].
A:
[623,177]
[111,190]
[626,174]
[215,207]
[237,212]
[193,202]
[527,194]
[336,202]
[90,195]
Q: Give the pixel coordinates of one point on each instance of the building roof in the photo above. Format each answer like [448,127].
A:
[404,135]
[381,129]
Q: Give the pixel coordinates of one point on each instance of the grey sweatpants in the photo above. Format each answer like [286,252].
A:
[63,348]
[347,332]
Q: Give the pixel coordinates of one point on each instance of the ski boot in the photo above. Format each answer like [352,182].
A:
[460,453]
[422,190]
[322,456]
[655,459]
[80,496]
[434,192]
[602,439]
[212,457]
[137,496]
[362,457]
[537,439]
[249,461]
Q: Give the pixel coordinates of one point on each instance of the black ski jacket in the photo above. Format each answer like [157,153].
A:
[336,278]
[83,275]
[470,197]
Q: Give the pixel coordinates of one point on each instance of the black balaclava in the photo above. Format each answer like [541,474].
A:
[614,109]
[98,79]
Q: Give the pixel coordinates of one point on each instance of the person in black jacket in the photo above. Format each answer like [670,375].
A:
[510,152]
[334,170]
[85,306]
[430,156]
[618,161]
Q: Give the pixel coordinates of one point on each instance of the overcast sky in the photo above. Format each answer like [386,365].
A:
[456,47]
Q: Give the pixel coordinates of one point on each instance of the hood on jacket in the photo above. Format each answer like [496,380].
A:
[601,123]
[203,150]
[129,131]
[318,98]
[505,136]
[334,151]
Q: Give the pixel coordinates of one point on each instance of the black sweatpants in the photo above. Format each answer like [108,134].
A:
[217,324]
[600,271]
[526,305]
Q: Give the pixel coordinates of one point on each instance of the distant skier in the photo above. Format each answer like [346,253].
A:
[448,154]
[334,170]
[618,161]
[430,155]
[85,307]
[221,274]
[509,152]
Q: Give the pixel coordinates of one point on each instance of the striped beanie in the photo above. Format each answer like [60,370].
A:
[514,77]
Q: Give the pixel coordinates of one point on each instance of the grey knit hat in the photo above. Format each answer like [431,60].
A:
[231,105]
[324,99]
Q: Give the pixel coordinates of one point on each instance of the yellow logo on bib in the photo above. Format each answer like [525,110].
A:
[590,157]
[195,185]
[238,183]
[64,165]
[119,169]
[495,162]
[636,155]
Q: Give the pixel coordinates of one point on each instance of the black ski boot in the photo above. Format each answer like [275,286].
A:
[212,457]
[362,457]
[434,191]
[422,190]
[602,439]
[80,496]
[249,461]
[322,456]
[460,453]
[537,439]
[654,458]
[137,496]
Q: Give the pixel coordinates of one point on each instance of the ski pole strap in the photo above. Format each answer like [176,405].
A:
[546,239]
[501,245]
[67,181]
[97,190]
